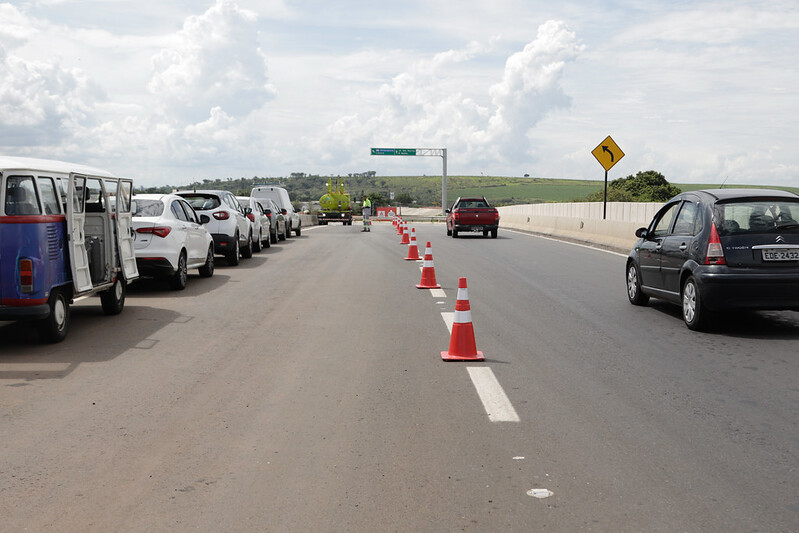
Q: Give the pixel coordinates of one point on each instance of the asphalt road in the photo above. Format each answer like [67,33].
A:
[304,391]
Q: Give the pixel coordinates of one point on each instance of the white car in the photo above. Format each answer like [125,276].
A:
[170,239]
[279,227]
[281,197]
[228,224]
[258,220]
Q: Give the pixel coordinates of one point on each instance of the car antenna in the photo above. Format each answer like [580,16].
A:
[723,182]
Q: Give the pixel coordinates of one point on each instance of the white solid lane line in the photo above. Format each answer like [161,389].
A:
[495,401]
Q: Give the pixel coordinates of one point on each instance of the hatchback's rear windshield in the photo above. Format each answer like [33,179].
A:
[148,208]
[202,202]
[757,216]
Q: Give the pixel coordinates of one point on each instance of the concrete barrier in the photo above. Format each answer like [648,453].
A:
[582,221]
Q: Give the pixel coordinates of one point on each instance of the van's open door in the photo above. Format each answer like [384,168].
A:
[124,216]
[76,217]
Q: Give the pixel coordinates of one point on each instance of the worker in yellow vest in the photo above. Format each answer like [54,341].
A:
[367,213]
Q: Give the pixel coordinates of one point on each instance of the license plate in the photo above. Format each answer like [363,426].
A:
[477,228]
[780,254]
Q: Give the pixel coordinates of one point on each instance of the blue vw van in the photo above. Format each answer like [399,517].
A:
[65,233]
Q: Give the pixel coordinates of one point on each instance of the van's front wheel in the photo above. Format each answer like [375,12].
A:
[54,328]
[113,300]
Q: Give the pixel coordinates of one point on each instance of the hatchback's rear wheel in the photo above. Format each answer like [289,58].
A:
[695,315]
[634,286]
[256,244]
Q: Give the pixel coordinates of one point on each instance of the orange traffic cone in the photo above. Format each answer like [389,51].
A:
[406,235]
[399,226]
[428,280]
[413,250]
[461,343]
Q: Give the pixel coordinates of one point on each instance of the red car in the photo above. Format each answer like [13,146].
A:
[472,214]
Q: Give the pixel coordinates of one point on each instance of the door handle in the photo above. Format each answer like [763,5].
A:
[683,246]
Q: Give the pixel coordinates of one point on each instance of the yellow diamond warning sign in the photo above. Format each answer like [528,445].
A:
[608,153]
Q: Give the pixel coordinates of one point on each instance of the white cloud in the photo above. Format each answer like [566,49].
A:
[216,62]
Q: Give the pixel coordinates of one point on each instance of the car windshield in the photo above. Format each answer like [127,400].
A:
[148,208]
[757,216]
[201,202]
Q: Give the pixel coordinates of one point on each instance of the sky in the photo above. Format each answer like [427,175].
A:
[171,92]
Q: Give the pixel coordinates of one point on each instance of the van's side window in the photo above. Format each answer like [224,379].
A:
[125,191]
[21,196]
[94,196]
[52,206]
[80,194]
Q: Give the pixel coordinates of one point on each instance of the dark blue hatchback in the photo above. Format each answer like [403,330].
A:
[721,249]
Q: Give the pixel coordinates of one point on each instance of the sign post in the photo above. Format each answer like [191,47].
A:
[608,154]
[436,152]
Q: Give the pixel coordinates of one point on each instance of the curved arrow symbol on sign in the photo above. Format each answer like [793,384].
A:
[605,149]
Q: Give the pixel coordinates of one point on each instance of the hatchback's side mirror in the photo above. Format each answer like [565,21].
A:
[448,211]
[283,211]
[641,233]
[247,210]
[204,219]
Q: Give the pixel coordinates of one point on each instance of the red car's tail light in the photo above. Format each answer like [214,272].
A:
[715,252]
[160,231]
[221,215]
[26,275]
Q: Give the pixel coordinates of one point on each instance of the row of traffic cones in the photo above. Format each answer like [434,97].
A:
[462,345]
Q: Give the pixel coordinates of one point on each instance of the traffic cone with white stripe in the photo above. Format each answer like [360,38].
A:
[461,342]
[413,250]
[399,226]
[406,235]
[428,280]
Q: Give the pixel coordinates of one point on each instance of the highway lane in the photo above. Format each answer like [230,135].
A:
[304,390]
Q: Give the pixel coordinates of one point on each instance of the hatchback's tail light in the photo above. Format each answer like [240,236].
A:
[251,217]
[26,275]
[715,252]
[221,215]
[160,231]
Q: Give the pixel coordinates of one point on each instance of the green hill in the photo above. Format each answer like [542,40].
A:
[426,190]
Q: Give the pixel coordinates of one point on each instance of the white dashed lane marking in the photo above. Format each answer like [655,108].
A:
[495,401]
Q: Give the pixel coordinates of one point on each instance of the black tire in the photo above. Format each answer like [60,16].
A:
[256,244]
[298,231]
[282,236]
[449,232]
[181,276]
[273,237]
[233,255]
[494,233]
[207,270]
[634,293]
[694,313]
[113,299]
[54,328]
[288,231]
[267,243]
[246,252]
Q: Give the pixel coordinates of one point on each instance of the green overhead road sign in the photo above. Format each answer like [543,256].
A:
[393,151]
